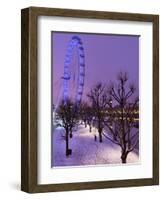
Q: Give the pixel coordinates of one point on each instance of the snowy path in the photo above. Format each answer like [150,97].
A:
[86,151]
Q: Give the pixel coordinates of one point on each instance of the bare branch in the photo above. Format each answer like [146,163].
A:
[110,139]
[134,146]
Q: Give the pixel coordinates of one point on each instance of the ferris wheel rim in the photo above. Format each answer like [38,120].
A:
[75,42]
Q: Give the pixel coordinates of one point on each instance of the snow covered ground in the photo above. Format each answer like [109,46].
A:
[85,150]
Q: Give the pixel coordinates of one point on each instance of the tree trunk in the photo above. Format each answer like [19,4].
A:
[100,135]
[124,157]
[67,147]
[123,160]
[95,138]
[71,133]
[85,123]
[124,153]
[90,129]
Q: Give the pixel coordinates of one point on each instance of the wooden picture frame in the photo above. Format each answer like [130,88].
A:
[29,112]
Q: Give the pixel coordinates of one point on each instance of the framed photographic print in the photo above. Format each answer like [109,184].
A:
[90,99]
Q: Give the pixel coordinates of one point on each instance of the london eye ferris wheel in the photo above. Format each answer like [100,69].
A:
[74,71]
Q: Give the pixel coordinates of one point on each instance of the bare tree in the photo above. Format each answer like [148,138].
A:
[99,100]
[90,117]
[122,115]
[86,114]
[83,112]
[66,112]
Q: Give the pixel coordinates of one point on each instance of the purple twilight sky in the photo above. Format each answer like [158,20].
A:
[105,56]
